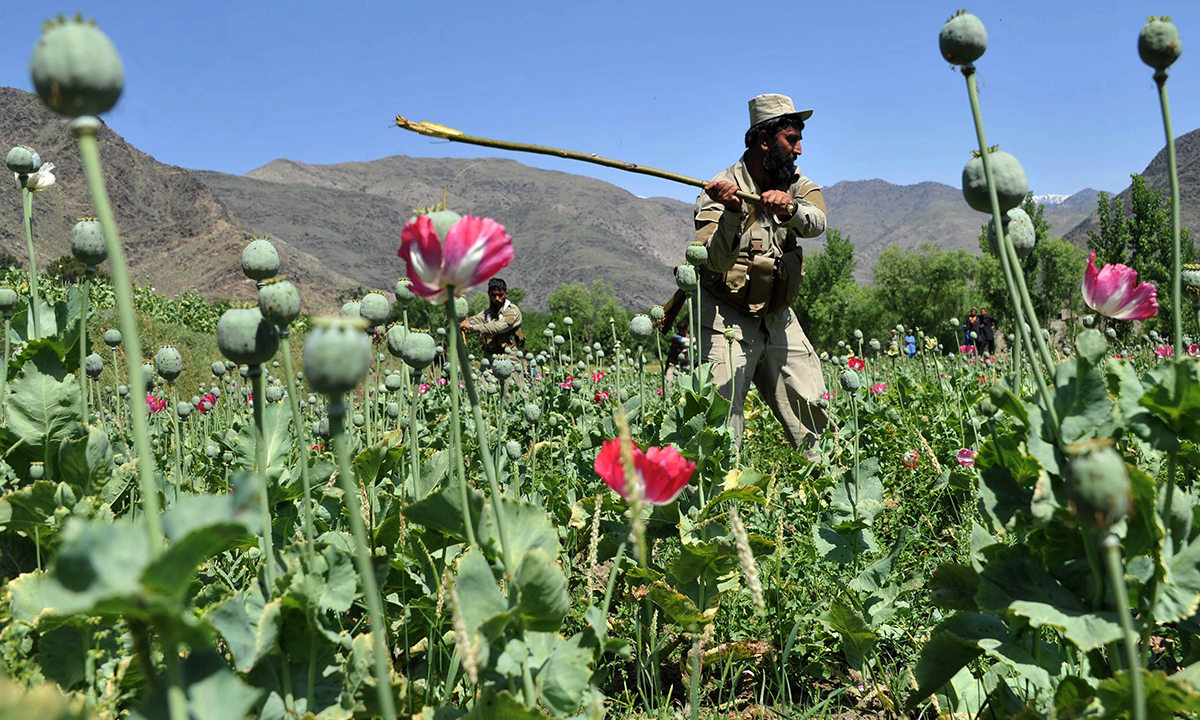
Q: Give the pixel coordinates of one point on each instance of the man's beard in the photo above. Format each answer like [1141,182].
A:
[780,166]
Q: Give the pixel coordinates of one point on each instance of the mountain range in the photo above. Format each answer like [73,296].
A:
[338,225]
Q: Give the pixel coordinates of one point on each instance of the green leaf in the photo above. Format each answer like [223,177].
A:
[873,577]
[953,587]
[857,498]
[858,639]
[198,527]
[277,436]
[43,403]
[28,507]
[951,647]
[1172,393]
[1091,346]
[1166,697]
[61,655]
[213,692]
[679,608]
[1073,697]
[1179,596]
[1081,399]
[1006,481]
[529,528]
[501,706]
[442,511]
[249,637]
[340,581]
[479,598]
[1013,582]
[565,676]
[544,599]
[85,458]
[842,548]
[1124,384]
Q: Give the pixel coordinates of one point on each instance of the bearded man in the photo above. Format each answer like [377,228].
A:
[753,271]
[499,325]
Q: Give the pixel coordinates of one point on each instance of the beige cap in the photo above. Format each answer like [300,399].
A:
[772,105]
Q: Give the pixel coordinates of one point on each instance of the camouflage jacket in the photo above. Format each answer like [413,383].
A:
[499,331]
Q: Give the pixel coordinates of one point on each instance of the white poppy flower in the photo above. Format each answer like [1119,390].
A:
[40,180]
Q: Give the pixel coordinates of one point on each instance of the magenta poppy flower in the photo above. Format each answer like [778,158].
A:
[966,349]
[856,363]
[1163,351]
[566,384]
[423,388]
[475,249]
[663,472]
[910,458]
[966,457]
[1193,350]
[1114,291]
[828,396]
[601,397]
[879,388]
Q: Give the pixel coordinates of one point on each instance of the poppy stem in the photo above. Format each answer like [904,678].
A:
[1160,78]
[34,305]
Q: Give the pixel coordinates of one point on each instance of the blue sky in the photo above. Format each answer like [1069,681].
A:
[231,86]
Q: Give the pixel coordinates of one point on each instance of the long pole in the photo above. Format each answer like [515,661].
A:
[444,133]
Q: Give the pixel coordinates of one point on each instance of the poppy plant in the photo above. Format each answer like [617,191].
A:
[966,457]
[856,363]
[879,388]
[663,472]
[1114,291]
[910,458]
[1163,351]
[473,250]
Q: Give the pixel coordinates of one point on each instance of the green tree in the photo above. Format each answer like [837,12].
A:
[1143,242]
[926,287]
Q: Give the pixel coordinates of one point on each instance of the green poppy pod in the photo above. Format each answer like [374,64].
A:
[23,161]
[641,327]
[1018,228]
[112,337]
[393,410]
[93,365]
[559,340]
[374,308]
[696,254]
[37,470]
[547,333]
[260,259]
[533,413]
[404,293]
[1159,44]
[210,451]
[954,321]
[550,325]
[123,390]
[218,368]
[850,381]
[874,345]
[274,394]
[168,363]
[686,278]
[858,335]
[8,300]
[279,302]
[1011,184]
[963,39]
[568,322]
[393,382]
[337,355]
[503,369]
[351,309]
[1190,275]
[76,69]
[1088,321]
[395,339]
[461,307]
[657,313]
[418,350]
[1098,487]
[183,409]
[148,373]
[358,420]
[245,337]
[87,243]
[512,449]
[443,220]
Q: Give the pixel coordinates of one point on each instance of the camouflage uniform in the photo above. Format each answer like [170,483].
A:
[498,332]
[747,285]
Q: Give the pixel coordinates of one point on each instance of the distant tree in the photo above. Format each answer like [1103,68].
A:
[1143,242]
[9,261]
[925,288]
[68,270]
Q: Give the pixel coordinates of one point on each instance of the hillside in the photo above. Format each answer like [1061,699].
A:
[1187,161]
[177,235]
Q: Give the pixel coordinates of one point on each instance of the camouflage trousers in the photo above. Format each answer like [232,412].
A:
[773,353]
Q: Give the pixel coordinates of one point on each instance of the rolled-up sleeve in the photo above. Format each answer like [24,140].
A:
[810,218]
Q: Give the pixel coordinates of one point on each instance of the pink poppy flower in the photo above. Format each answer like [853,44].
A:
[660,390]
[155,405]
[1163,351]
[966,457]
[966,349]
[856,363]
[597,376]
[475,249]
[423,388]
[566,384]
[1193,350]
[1114,291]
[879,388]
[663,472]
[443,382]
[910,458]
[828,396]
[601,396]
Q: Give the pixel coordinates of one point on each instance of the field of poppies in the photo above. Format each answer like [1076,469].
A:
[371,521]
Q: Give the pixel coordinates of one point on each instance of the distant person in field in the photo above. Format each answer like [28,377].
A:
[677,353]
[910,344]
[499,325]
[971,326]
[753,271]
[987,333]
